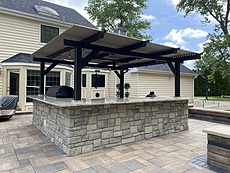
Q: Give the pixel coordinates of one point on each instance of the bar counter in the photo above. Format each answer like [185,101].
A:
[79,127]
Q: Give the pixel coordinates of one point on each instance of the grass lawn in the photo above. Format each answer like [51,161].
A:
[215,98]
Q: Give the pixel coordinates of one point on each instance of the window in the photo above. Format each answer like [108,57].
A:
[52,79]
[84,80]
[48,33]
[98,80]
[33,82]
[68,77]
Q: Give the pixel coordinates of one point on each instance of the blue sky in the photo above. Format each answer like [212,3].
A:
[168,26]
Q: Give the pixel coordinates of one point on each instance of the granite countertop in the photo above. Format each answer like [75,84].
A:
[69,102]
[219,130]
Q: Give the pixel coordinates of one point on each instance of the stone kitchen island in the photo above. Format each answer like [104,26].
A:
[83,126]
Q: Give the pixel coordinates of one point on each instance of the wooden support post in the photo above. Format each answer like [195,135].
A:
[177,79]
[77,71]
[42,74]
[122,74]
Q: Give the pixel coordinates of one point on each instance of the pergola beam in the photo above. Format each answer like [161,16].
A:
[171,67]
[53,61]
[50,67]
[135,46]
[89,57]
[115,51]
[152,62]
[95,37]
[56,54]
[165,52]
[189,57]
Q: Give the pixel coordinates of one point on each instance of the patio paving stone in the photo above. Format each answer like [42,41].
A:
[24,149]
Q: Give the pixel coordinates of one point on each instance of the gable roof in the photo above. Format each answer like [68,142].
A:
[26,58]
[165,67]
[66,14]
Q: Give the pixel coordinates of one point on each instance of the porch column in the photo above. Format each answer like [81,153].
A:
[177,79]
[77,71]
[122,74]
[42,74]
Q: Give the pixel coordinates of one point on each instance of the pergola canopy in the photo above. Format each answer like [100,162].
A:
[108,50]
[82,46]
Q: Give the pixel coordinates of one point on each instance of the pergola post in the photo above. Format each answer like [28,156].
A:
[122,74]
[42,74]
[177,79]
[77,71]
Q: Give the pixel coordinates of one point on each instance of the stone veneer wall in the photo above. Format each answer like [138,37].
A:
[85,128]
[219,151]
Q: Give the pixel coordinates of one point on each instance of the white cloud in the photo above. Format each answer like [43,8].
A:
[178,36]
[148,17]
[201,47]
[190,64]
[175,36]
[170,44]
[175,2]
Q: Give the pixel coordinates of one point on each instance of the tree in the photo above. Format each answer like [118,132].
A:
[112,14]
[216,56]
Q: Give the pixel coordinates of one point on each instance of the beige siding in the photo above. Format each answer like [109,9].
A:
[19,35]
[187,86]
[130,78]
[161,84]
[112,84]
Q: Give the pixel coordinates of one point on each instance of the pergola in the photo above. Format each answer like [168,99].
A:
[81,46]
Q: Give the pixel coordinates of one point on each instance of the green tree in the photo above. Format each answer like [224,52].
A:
[216,56]
[112,14]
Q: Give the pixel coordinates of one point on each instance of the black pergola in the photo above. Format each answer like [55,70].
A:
[82,47]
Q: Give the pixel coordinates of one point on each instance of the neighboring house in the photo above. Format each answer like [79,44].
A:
[157,78]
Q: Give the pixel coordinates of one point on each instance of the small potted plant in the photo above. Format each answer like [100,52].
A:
[126,86]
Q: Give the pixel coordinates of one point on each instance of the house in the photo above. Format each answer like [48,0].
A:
[26,26]
[157,78]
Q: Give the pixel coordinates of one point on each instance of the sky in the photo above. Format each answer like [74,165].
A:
[168,27]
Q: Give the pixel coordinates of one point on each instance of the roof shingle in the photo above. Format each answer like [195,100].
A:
[26,58]
[27,6]
[165,67]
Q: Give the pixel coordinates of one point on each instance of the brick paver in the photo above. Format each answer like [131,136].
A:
[23,148]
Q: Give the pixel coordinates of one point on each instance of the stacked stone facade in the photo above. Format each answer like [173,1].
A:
[84,128]
[219,151]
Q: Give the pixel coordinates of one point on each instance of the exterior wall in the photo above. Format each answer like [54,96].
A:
[187,86]
[22,69]
[84,128]
[132,79]
[162,83]
[20,34]
[89,92]
[219,150]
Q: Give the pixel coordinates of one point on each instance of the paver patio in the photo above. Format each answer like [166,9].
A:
[23,148]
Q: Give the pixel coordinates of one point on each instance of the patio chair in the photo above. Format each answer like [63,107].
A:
[8,105]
